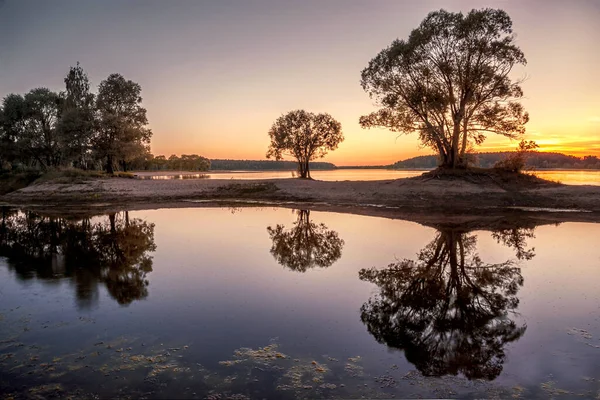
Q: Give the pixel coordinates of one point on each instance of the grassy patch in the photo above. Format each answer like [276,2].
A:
[69,175]
[11,181]
[247,188]
[121,174]
[495,176]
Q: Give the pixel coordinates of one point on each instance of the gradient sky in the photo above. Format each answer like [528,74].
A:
[216,74]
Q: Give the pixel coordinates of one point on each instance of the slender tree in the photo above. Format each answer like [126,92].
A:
[449,81]
[77,121]
[122,132]
[304,136]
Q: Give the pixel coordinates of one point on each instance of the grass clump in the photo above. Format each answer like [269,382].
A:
[12,181]
[122,174]
[69,175]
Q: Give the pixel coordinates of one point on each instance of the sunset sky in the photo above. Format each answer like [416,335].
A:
[216,74]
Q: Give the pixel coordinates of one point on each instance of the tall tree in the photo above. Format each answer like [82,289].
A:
[77,121]
[304,136]
[122,132]
[449,81]
[12,128]
[40,137]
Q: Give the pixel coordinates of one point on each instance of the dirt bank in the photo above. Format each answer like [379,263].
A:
[428,197]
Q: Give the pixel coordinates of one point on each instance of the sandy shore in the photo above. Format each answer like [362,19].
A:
[402,198]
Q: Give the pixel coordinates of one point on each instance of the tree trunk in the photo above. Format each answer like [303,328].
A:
[109,165]
[454,147]
[303,169]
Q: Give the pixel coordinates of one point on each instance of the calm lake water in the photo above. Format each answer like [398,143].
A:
[273,303]
[568,177]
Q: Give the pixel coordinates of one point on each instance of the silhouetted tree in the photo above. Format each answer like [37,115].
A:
[29,133]
[122,132]
[307,245]
[77,123]
[304,136]
[12,130]
[450,82]
[448,310]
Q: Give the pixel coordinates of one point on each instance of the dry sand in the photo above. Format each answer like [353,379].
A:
[414,198]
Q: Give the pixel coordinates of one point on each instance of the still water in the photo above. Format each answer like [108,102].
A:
[276,303]
[567,177]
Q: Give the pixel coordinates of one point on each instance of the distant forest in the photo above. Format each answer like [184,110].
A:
[534,160]
[264,165]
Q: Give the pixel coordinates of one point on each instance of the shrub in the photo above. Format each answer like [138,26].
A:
[515,162]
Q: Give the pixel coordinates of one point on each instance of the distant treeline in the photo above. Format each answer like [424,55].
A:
[488,160]
[264,165]
[187,162]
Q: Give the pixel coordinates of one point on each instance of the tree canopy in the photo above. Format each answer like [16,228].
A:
[74,128]
[304,136]
[449,81]
[122,133]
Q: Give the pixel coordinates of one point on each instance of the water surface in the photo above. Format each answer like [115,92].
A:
[567,177]
[275,303]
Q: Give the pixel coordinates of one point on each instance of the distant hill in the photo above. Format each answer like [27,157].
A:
[487,160]
[263,165]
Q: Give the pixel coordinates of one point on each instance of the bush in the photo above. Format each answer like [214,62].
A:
[515,162]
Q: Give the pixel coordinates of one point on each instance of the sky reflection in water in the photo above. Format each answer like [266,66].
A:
[517,306]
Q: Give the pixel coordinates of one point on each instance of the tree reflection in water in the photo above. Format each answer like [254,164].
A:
[448,310]
[307,245]
[110,250]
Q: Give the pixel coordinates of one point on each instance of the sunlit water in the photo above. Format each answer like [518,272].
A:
[274,303]
[567,177]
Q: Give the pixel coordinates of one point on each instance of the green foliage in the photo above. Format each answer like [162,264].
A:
[264,165]
[77,123]
[122,134]
[187,162]
[28,133]
[449,81]
[11,181]
[69,175]
[46,130]
[304,136]
[534,160]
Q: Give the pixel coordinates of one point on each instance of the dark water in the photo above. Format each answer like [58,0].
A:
[269,303]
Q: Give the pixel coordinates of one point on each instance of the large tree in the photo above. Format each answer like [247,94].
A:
[34,123]
[304,136]
[77,121]
[122,132]
[12,128]
[449,81]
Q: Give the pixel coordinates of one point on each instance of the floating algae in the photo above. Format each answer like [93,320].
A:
[551,389]
[263,356]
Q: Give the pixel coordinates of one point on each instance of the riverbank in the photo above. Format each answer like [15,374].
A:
[421,198]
